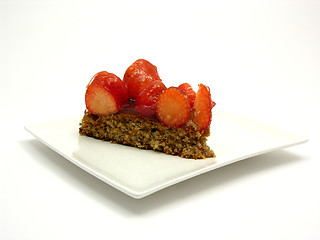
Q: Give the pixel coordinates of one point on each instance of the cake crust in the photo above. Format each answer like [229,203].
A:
[134,130]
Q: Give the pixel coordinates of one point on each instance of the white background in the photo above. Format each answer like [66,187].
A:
[260,58]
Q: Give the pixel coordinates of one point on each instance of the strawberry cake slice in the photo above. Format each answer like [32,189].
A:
[140,111]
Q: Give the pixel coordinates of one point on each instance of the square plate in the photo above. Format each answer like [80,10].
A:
[139,173]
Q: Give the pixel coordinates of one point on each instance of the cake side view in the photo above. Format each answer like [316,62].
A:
[140,111]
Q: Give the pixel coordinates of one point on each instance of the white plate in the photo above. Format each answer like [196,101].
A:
[139,173]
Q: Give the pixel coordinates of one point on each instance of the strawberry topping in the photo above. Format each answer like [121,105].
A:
[173,107]
[106,94]
[187,89]
[139,75]
[202,107]
[143,90]
[146,101]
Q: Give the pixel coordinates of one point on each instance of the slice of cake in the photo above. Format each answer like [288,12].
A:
[142,112]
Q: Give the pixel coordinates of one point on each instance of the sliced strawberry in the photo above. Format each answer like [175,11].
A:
[173,107]
[139,75]
[115,85]
[106,94]
[146,101]
[202,107]
[187,89]
[100,101]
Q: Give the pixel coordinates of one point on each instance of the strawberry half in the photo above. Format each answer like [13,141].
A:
[106,94]
[173,107]
[187,89]
[138,76]
[202,107]
[146,101]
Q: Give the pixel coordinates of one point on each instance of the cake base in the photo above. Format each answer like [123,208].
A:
[148,133]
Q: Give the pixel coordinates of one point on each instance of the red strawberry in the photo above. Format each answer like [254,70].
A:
[173,107]
[187,89]
[138,76]
[106,94]
[202,107]
[146,101]
[99,101]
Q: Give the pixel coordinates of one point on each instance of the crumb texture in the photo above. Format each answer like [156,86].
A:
[147,133]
